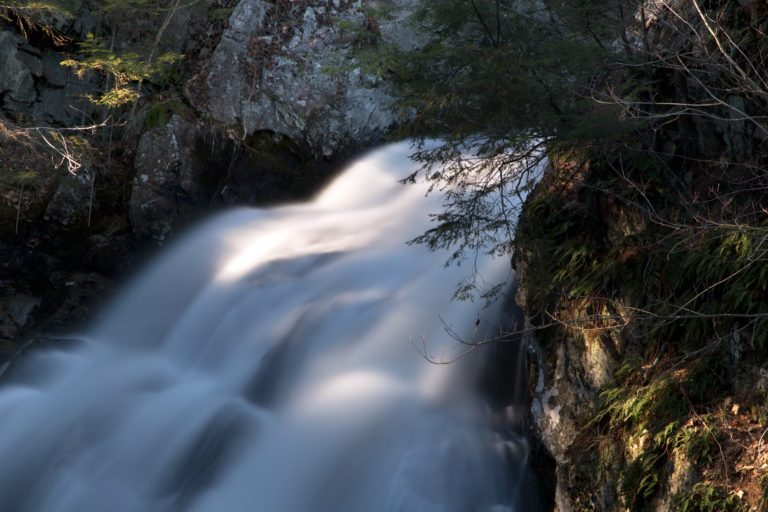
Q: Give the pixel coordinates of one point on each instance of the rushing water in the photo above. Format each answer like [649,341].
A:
[264,363]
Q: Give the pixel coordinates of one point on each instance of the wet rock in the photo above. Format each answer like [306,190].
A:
[111,255]
[16,312]
[37,296]
[22,289]
[567,372]
[560,397]
[78,297]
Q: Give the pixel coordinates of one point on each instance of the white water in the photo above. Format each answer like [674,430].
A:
[264,364]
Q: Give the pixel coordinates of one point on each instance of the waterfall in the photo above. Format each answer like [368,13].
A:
[265,363]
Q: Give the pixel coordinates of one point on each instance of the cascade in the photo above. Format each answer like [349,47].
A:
[264,362]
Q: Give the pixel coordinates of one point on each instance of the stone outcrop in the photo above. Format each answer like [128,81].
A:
[566,374]
[72,200]
[37,295]
[283,84]
[168,182]
[34,84]
[290,70]
[16,311]
[269,102]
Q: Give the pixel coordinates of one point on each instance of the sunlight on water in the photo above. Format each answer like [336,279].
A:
[264,363]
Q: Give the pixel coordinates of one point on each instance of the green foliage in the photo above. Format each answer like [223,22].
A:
[500,82]
[653,417]
[642,479]
[707,497]
[121,7]
[362,35]
[699,445]
[127,69]
[653,409]
[220,14]
[17,178]
[37,8]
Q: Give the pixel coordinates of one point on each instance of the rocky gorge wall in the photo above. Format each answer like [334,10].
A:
[642,404]
[266,102]
[269,99]
[641,275]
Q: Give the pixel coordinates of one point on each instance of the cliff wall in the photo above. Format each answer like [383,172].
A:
[257,103]
[646,344]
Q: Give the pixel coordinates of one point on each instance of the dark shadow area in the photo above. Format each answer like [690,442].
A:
[504,385]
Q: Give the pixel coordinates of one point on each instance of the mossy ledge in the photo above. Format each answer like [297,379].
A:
[647,330]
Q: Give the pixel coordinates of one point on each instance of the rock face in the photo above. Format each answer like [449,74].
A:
[16,310]
[566,375]
[16,79]
[283,81]
[167,185]
[72,200]
[34,84]
[567,366]
[275,87]
[185,169]
[287,68]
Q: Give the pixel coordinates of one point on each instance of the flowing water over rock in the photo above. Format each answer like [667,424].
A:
[264,364]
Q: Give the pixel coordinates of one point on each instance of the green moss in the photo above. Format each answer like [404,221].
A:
[160,112]
[359,34]
[157,115]
[17,178]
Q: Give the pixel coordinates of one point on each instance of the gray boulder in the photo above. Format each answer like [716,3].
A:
[16,79]
[271,71]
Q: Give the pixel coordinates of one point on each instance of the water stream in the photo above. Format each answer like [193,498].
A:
[264,363]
